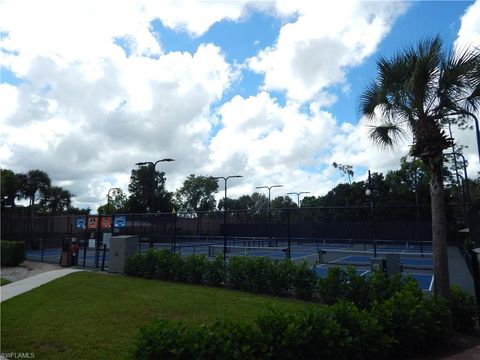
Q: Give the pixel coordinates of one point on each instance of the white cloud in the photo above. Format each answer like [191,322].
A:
[264,142]
[314,52]
[469,36]
[88,110]
[469,33]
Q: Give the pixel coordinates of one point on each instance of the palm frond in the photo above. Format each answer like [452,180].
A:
[386,135]
[369,100]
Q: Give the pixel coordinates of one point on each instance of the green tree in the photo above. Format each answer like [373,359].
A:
[197,194]
[148,192]
[117,204]
[55,200]
[32,182]
[10,184]
[283,202]
[416,90]
[345,169]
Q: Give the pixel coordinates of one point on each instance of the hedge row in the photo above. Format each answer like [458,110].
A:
[403,325]
[286,278]
[12,252]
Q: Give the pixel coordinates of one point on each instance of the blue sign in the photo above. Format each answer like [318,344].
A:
[80,223]
[119,221]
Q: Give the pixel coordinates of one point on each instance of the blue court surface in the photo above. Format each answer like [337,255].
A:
[424,281]
[406,262]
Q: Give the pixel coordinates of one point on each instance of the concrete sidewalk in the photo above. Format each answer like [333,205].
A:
[19,287]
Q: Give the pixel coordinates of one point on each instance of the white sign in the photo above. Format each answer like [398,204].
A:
[91,243]
[106,239]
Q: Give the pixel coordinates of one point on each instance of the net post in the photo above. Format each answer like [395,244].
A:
[289,248]
[103,257]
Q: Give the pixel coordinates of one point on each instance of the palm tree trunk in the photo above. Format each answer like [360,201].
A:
[439,228]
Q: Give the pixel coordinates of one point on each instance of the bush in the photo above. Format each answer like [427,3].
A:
[304,281]
[225,339]
[415,323]
[364,338]
[216,272]
[464,310]
[334,286]
[281,277]
[170,266]
[401,325]
[13,253]
[162,339]
[196,269]
[341,284]
[135,264]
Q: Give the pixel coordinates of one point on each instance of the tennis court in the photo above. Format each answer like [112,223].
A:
[339,252]
[424,281]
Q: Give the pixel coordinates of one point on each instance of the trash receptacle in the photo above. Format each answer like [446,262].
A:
[66,257]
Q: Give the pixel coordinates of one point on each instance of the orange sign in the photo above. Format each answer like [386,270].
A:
[92,222]
[106,222]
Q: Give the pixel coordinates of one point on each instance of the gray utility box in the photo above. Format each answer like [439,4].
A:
[393,264]
[121,247]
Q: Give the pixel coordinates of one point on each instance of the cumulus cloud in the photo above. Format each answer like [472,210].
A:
[98,93]
[315,52]
[468,37]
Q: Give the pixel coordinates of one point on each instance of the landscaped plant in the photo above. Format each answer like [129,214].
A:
[406,324]
[464,310]
[12,252]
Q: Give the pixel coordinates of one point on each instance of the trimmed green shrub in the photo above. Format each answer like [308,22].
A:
[334,286]
[216,272]
[464,310]
[135,264]
[13,253]
[162,339]
[304,281]
[402,325]
[415,323]
[227,340]
[281,277]
[364,338]
[196,268]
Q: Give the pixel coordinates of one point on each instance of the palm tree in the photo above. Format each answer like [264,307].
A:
[32,182]
[55,200]
[417,90]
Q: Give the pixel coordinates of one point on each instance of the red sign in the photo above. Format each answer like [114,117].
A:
[106,222]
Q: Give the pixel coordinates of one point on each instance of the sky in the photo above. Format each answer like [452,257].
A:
[264,89]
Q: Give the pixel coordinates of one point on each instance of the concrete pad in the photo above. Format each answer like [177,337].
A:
[458,270]
[19,287]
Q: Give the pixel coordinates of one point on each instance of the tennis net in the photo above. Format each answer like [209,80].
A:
[236,250]
[408,258]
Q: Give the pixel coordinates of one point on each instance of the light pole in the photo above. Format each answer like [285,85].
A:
[153,165]
[369,194]
[225,214]
[477,130]
[269,206]
[298,195]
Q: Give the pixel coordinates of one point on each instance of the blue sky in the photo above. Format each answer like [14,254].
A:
[267,89]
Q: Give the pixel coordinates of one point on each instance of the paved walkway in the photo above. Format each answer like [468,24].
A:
[19,287]
[470,354]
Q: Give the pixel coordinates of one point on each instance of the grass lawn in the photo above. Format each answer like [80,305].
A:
[96,316]
[4,281]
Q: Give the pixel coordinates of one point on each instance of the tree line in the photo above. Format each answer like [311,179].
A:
[408,185]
